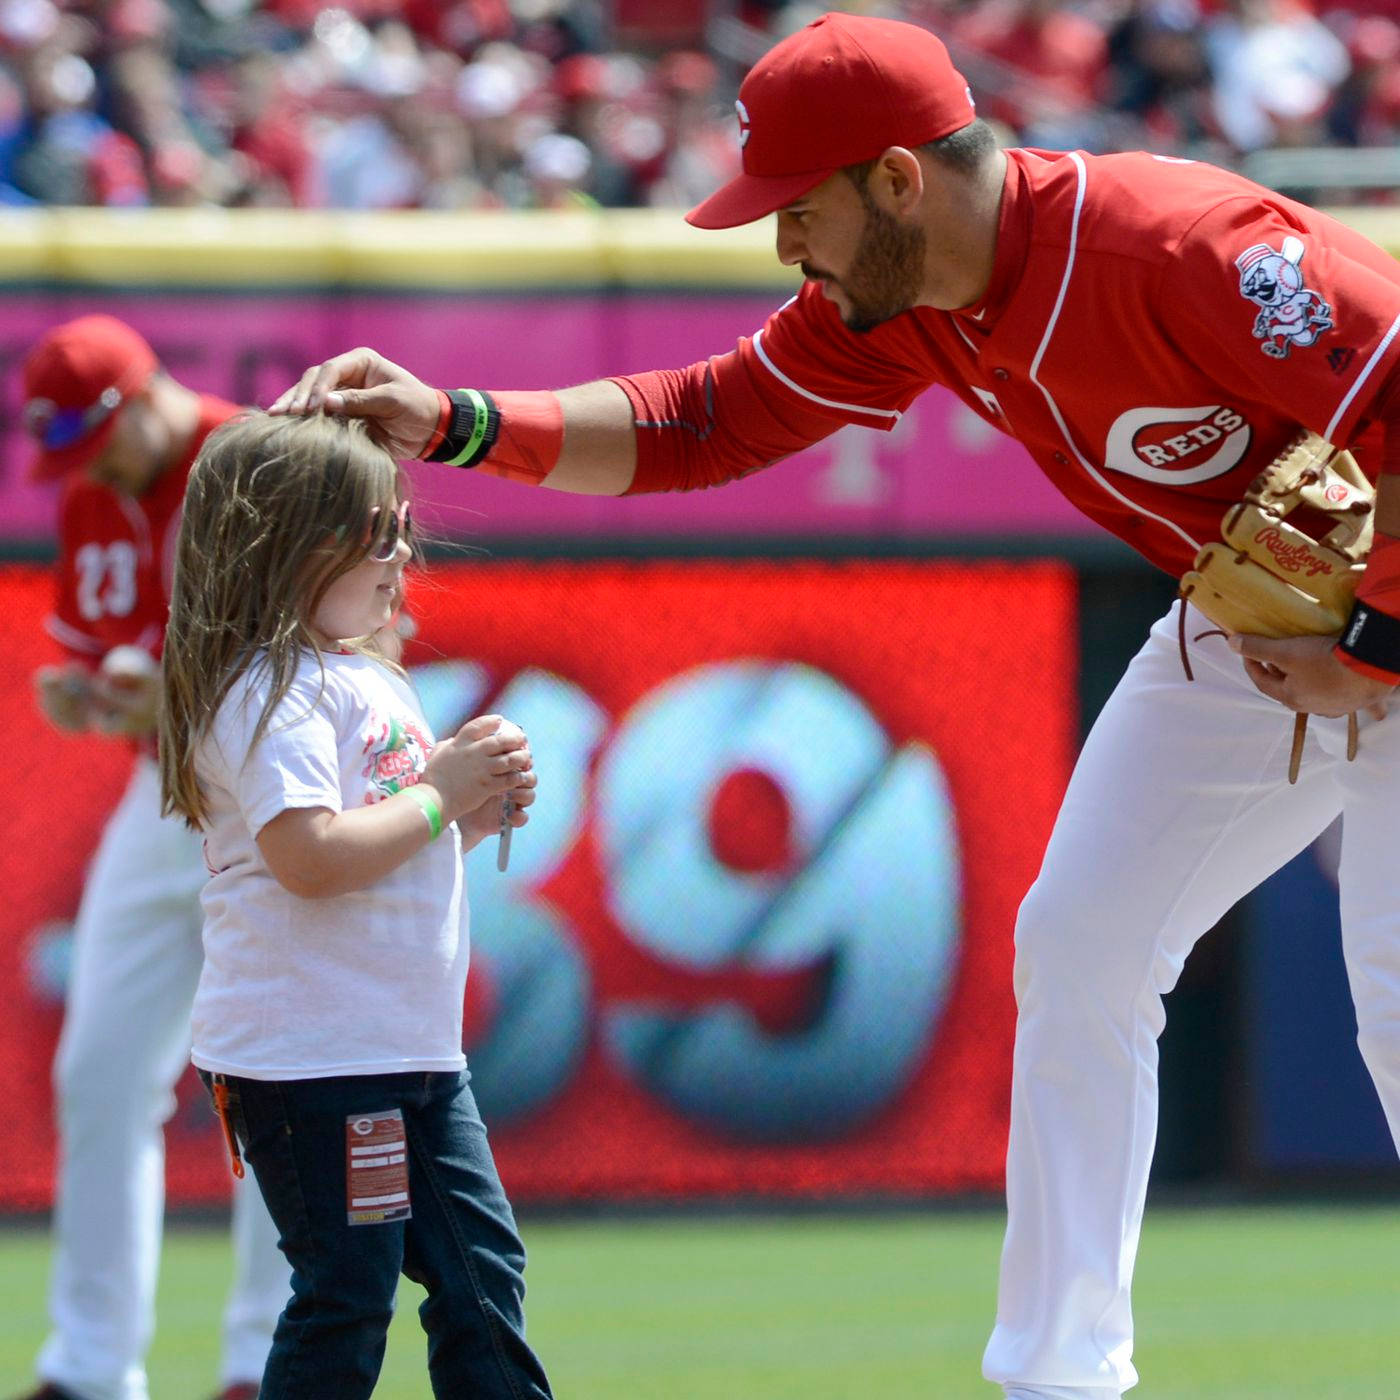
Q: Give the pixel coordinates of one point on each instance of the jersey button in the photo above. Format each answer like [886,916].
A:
[1061,459]
[1001,374]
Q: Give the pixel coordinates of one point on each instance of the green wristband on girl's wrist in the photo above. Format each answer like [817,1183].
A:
[432,813]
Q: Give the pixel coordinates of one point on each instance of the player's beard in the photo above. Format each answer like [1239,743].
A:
[886,271]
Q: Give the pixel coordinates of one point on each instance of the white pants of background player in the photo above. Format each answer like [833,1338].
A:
[1179,805]
[125,1042]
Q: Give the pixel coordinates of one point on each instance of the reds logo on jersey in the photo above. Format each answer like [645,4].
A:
[1177,446]
[1289,313]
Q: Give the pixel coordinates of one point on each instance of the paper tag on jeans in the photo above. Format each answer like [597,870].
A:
[376,1168]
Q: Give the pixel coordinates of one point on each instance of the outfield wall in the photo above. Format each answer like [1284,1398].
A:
[237,302]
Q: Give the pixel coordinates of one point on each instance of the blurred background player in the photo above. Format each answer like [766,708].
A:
[122,435]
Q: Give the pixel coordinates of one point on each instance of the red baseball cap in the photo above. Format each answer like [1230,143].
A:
[75,380]
[834,94]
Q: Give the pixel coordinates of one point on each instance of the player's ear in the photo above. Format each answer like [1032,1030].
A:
[897,181]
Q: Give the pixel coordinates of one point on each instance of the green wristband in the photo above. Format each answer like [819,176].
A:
[431,811]
[472,432]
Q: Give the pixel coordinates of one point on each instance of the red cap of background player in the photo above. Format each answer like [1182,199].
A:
[75,380]
[834,94]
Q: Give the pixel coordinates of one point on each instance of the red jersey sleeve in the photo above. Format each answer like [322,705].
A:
[1289,308]
[74,622]
[796,381]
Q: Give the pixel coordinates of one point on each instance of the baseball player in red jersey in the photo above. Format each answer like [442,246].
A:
[123,435]
[1154,331]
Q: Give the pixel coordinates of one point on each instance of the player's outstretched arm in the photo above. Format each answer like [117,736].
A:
[597,457]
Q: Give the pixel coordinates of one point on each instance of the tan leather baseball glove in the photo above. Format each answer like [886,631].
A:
[1292,550]
[1291,553]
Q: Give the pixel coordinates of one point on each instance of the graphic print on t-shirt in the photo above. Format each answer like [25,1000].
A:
[396,752]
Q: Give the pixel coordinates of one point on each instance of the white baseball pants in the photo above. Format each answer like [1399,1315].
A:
[1178,806]
[125,1042]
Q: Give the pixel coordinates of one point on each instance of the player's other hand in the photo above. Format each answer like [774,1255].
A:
[400,411]
[64,696]
[1303,673]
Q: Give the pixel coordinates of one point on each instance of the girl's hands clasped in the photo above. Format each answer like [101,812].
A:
[485,820]
[473,768]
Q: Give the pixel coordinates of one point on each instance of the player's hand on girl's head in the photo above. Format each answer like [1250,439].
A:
[64,696]
[477,763]
[400,411]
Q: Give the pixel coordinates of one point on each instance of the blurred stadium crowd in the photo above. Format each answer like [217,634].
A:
[383,104]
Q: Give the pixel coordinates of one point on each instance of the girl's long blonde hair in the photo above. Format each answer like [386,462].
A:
[276,510]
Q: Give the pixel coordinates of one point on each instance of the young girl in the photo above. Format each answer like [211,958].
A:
[328,1020]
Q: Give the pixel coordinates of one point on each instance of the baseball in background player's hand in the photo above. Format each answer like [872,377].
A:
[126,692]
[400,411]
[1303,673]
[64,696]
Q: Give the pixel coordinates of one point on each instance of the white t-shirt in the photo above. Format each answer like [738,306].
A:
[369,982]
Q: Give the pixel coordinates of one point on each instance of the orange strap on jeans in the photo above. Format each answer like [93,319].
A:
[230,1138]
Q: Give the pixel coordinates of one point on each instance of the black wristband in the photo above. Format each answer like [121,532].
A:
[1372,637]
[472,426]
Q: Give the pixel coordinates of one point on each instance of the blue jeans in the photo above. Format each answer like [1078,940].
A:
[460,1242]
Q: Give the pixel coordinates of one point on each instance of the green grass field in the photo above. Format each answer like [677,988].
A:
[1250,1304]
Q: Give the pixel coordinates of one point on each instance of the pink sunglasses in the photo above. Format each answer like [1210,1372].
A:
[384,538]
